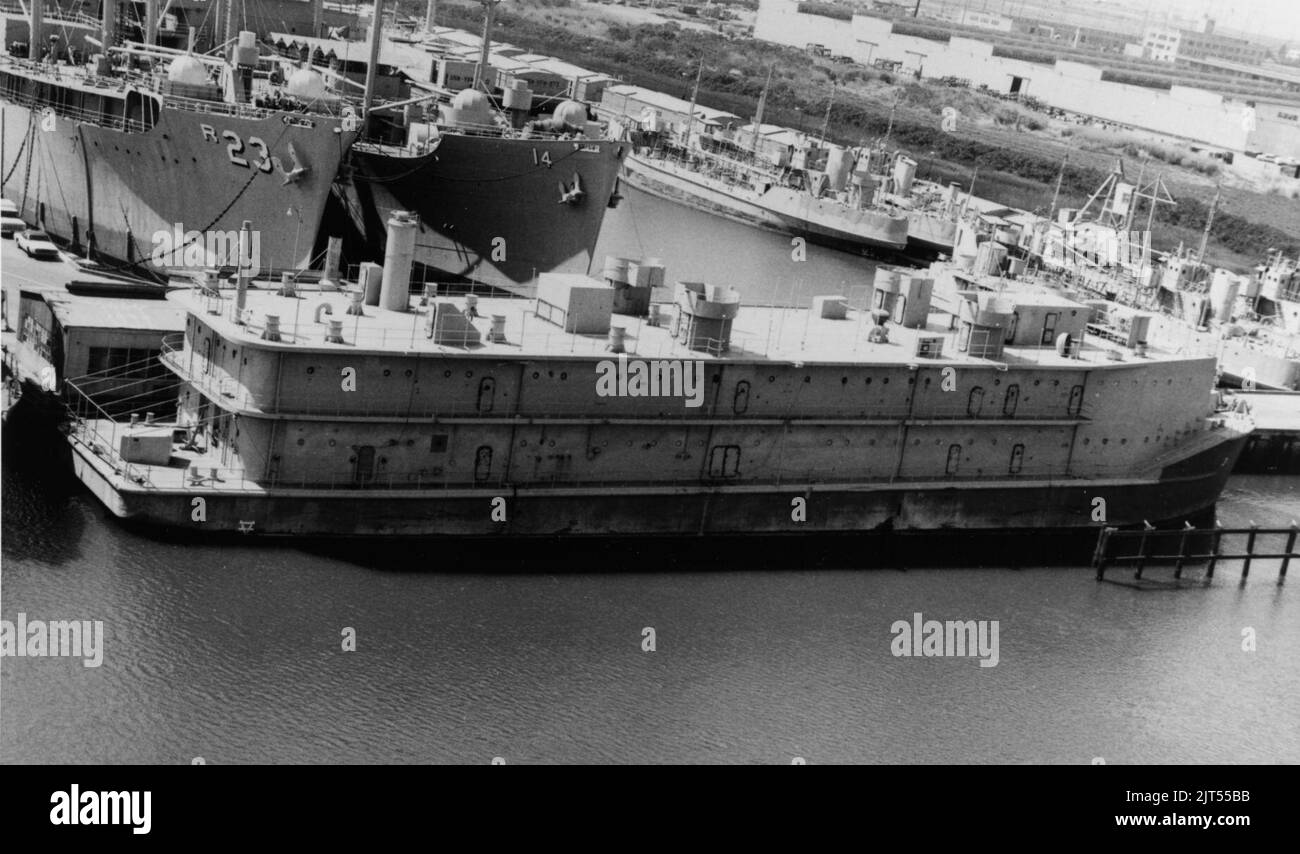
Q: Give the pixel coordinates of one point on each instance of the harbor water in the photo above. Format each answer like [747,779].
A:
[234,651]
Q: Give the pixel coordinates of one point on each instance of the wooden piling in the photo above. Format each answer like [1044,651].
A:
[1099,555]
[1214,549]
[1182,550]
[1290,550]
[1142,550]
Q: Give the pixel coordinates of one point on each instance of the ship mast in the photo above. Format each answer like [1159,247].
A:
[695,95]
[826,123]
[230,21]
[107,12]
[430,13]
[35,19]
[480,73]
[1209,221]
[1056,194]
[317,17]
[150,22]
[376,34]
[758,114]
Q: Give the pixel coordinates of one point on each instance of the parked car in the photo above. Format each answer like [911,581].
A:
[8,208]
[36,244]
[1267,158]
[10,225]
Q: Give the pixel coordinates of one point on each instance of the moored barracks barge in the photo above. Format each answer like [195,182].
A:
[592,411]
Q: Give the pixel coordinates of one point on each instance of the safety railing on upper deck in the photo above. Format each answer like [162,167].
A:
[78,114]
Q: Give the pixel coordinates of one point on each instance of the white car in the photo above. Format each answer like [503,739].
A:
[36,244]
[10,224]
[8,208]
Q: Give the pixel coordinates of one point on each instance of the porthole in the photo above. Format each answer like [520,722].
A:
[469,374]
[564,375]
[387,372]
[844,380]
[302,442]
[885,381]
[408,373]
[332,443]
[447,374]
[311,370]
[536,375]
[771,378]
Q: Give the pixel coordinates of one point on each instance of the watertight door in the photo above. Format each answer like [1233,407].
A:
[364,470]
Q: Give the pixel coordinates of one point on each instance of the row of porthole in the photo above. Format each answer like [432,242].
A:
[409,442]
[677,443]
[408,373]
[1145,439]
[161,157]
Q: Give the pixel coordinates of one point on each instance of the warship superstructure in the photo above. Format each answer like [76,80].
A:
[507,182]
[149,158]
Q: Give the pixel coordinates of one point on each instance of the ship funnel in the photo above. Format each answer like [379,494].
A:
[706,313]
[395,292]
[517,99]
[246,50]
[904,172]
[1223,294]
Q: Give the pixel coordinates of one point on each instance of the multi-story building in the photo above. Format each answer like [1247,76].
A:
[1174,45]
